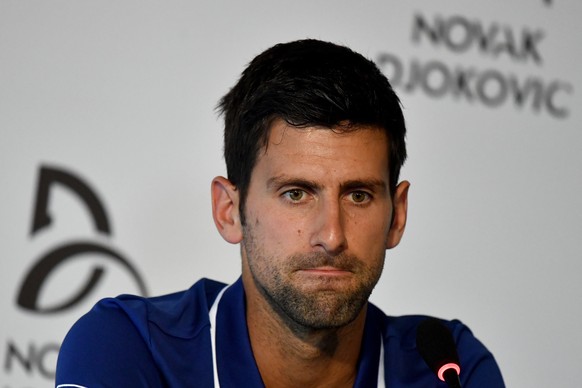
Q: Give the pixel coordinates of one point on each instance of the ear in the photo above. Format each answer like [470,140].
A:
[400,210]
[225,209]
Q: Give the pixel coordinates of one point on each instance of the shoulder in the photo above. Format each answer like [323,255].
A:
[478,365]
[131,332]
[182,314]
[404,328]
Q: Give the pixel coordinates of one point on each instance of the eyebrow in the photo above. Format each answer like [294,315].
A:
[284,180]
[376,185]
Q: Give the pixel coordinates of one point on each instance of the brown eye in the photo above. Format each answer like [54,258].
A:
[295,195]
[359,196]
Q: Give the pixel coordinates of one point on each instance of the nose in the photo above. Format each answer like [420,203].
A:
[329,229]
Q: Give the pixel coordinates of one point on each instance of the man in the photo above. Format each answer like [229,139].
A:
[314,142]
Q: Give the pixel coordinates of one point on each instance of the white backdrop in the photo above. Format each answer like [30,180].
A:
[121,96]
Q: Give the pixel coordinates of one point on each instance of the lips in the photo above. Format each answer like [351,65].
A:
[326,271]
[323,264]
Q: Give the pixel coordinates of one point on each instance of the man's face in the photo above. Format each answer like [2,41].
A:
[318,216]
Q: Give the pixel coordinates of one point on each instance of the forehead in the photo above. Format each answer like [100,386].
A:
[354,150]
[342,135]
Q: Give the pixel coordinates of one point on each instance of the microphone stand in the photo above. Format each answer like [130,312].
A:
[452,378]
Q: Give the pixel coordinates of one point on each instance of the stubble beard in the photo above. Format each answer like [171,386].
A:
[302,308]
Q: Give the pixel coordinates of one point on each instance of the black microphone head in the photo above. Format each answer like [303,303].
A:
[435,344]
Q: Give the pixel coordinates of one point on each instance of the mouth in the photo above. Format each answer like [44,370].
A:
[326,271]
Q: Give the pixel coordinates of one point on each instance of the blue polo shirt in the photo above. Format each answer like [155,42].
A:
[167,341]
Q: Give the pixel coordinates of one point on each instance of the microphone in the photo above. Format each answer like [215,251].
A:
[435,344]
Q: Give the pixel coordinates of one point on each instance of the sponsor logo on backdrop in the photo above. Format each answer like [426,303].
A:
[487,86]
[38,359]
[63,254]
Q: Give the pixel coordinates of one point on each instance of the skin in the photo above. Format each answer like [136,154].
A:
[319,218]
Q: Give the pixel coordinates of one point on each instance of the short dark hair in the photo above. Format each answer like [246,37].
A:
[307,83]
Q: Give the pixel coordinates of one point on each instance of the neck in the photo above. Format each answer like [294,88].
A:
[291,355]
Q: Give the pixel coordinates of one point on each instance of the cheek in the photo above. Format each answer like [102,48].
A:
[285,235]
[278,233]
[368,234]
